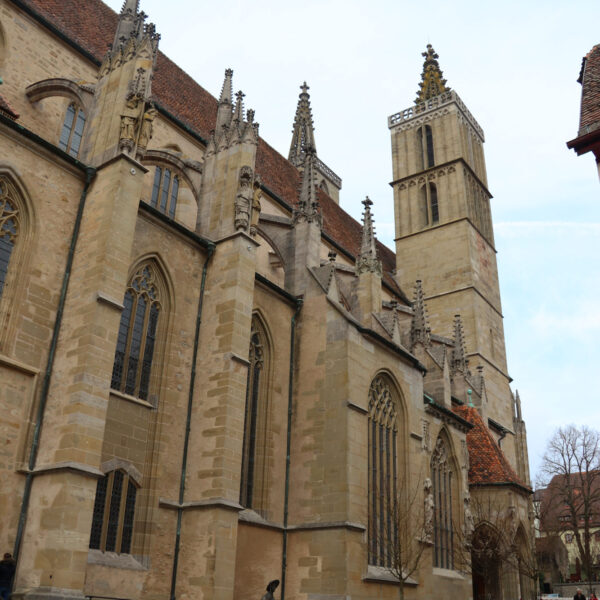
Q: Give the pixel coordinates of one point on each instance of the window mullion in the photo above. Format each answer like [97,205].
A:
[138,374]
[130,327]
[121,514]
[109,487]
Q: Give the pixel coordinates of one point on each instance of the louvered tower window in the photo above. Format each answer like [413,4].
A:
[72,130]
[383,469]
[442,479]
[114,509]
[164,191]
[429,208]
[9,227]
[137,334]
[425,156]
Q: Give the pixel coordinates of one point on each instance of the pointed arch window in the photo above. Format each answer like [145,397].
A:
[442,478]
[9,227]
[137,334]
[383,471]
[72,130]
[164,191]
[252,486]
[114,510]
[425,155]
[428,204]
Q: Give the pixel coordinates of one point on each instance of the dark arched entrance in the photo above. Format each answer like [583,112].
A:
[486,547]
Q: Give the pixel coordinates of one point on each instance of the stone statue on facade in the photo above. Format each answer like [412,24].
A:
[244,199]
[256,206]
[469,525]
[146,129]
[428,508]
[129,124]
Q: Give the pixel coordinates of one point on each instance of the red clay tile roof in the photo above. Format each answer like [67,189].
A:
[92,27]
[590,93]
[7,109]
[488,465]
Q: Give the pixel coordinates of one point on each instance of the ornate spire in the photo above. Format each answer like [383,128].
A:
[432,79]
[459,353]
[308,205]
[419,328]
[518,414]
[367,259]
[303,135]
[238,111]
[225,108]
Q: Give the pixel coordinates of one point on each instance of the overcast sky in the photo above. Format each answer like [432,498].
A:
[515,65]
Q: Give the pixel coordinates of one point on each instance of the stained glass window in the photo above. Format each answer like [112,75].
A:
[114,509]
[72,130]
[443,533]
[164,191]
[9,227]
[383,472]
[253,445]
[137,335]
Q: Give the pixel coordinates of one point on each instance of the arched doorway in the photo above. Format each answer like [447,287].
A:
[486,561]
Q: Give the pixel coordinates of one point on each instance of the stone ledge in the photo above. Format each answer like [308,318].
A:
[200,504]
[114,560]
[129,398]
[105,299]
[67,465]
[328,525]
[447,573]
[383,575]
[19,366]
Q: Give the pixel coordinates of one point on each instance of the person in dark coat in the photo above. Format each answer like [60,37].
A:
[578,595]
[7,572]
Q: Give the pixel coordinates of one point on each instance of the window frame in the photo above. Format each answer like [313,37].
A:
[103,517]
[73,133]
[128,368]
[164,199]
[255,452]
[429,204]
[444,480]
[383,464]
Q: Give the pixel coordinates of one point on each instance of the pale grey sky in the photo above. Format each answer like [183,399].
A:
[515,65]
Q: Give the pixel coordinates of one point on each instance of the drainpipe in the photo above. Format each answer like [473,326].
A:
[288,447]
[90,173]
[211,249]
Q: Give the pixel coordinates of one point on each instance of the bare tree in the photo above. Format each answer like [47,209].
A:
[488,548]
[571,501]
[402,540]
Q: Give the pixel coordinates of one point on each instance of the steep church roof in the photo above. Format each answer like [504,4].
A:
[487,463]
[589,78]
[91,26]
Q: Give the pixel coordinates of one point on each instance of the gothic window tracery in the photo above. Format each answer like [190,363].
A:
[428,204]
[252,486]
[9,227]
[137,334]
[114,509]
[164,191]
[383,472]
[425,155]
[72,130]
[442,477]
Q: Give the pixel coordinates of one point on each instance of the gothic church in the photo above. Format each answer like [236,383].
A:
[211,376]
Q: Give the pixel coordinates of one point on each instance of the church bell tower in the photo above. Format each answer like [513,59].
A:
[443,224]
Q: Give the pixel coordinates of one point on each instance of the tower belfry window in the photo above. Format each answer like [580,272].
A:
[425,155]
[164,191]
[429,207]
[72,130]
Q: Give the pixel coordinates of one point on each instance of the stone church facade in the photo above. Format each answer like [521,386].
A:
[211,376]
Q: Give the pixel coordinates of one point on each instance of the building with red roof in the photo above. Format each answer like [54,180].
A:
[214,380]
